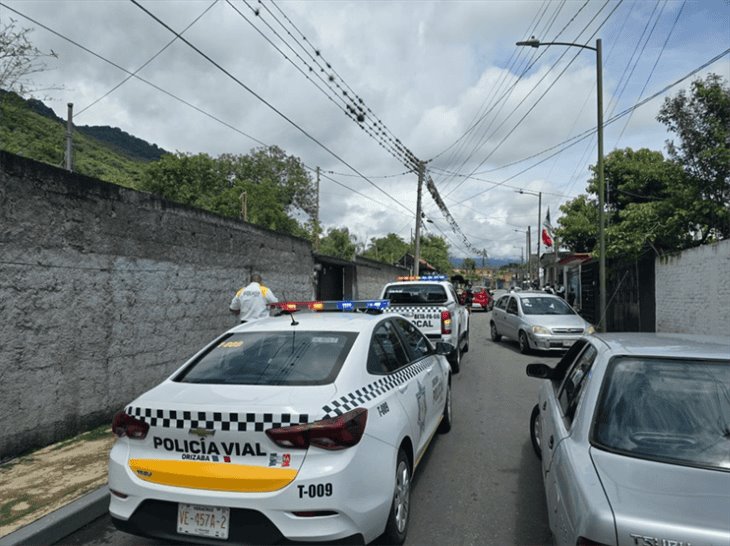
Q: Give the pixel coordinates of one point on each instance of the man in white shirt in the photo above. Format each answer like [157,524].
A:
[252,302]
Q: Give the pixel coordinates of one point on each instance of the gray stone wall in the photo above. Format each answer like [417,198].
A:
[372,275]
[105,291]
[693,291]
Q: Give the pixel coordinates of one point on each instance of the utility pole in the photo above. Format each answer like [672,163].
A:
[539,236]
[527,246]
[316,212]
[69,137]
[601,194]
[417,245]
[244,206]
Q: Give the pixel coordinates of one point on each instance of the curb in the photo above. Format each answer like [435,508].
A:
[66,520]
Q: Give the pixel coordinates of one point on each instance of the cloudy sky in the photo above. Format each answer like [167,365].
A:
[443,78]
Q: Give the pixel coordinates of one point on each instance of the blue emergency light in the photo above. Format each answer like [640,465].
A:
[342,305]
[423,278]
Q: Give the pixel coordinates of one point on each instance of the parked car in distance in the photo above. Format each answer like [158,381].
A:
[537,321]
[634,435]
[481,298]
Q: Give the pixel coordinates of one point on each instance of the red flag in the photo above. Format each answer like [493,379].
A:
[547,230]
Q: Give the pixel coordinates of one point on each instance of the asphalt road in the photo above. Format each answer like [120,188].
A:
[478,484]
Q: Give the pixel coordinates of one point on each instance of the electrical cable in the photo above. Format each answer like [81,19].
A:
[268,104]
[519,122]
[130,76]
[582,136]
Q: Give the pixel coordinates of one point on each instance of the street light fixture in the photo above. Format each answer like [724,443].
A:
[534,42]
[538,231]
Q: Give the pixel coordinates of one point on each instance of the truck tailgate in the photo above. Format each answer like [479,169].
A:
[426,317]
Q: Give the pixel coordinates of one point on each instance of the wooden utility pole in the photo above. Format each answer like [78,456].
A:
[244,206]
[417,245]
[316,212]
[69,137]
[529,256]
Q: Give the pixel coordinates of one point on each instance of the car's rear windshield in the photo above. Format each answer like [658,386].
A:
[272,358]
[668,410]
[416,293]
[539,305]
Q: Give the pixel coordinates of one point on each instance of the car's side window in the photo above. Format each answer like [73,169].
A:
[387,353]
[573,386]
[502,303]
[512,306]
[563,365]
[416,343]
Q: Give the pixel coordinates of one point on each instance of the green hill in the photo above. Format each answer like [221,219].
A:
[31,129]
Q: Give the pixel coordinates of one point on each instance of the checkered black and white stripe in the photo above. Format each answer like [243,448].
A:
[412,309]
[375,389]
[241,421]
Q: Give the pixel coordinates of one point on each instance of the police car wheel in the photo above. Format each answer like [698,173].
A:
[493,331]
[455,359]
[445,425]
[535,426]
[397,526]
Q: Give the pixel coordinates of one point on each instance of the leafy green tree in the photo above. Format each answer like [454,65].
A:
[340,243]
[701,121]
[388,249]
[275,185]
[578,227]
[435,251]
[469,265]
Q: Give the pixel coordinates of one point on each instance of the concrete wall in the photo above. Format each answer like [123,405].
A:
[104,291]
[372,275]
[693,291]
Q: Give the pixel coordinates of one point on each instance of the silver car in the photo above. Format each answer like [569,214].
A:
[537,320]
[634,435]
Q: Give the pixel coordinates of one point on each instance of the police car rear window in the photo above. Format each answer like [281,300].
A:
[272,358]
[416,293]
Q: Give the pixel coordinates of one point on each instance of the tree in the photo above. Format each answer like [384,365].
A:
[435,251]
[19,59]
[276,185]
[578,227]
[340,243]
[469,266]
[388,249]
[701,121]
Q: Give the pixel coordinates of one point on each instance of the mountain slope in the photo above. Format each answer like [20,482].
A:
[31,129]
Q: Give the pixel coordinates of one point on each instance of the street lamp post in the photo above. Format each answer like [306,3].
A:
[534,42]
[538,232]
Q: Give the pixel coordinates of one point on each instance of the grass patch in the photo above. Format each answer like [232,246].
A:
[7,515]
[91,435]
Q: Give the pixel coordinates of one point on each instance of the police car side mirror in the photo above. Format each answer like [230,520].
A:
[443,348]
[539,371]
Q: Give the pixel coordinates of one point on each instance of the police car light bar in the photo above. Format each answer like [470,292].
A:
[423,278]
[343,305]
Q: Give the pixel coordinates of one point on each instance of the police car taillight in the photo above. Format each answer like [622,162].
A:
[340,432]
[445,322]
[131,427]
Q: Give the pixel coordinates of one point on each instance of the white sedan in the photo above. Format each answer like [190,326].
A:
[304,427]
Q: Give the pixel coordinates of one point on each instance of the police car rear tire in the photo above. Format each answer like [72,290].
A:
[455,360]
[397,527]
[445,425]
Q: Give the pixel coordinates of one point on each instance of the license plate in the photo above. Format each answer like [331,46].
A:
[203,521]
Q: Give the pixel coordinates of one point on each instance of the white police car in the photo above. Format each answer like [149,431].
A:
[303,427]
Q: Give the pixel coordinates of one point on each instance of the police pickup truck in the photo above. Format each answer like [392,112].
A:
[431,303]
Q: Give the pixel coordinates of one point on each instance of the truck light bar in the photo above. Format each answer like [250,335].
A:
[343,305]
[423,278]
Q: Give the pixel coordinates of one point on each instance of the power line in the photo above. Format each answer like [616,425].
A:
[137,76]
[130,76]
[582,136]
[519,122]
[268,104]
